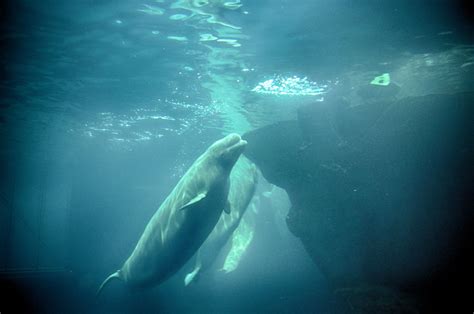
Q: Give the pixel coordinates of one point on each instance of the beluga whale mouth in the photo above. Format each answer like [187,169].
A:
[237,148]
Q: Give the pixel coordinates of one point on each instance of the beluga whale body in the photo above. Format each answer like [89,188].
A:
[243,182]
[184,219]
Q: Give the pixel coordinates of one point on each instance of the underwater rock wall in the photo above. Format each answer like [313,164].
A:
[379,193]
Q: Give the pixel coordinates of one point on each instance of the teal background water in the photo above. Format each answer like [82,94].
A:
[105,104]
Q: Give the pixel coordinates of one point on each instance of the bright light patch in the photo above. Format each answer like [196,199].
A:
[177,17]
[382,80]
[290,86]
[151,10]
[233,5]
[178,38]
[232,42]
[207,37]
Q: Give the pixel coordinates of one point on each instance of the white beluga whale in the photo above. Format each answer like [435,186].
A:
[243,181]
[242,237]
[184,219]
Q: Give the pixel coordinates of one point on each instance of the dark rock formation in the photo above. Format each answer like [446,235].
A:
[380,193]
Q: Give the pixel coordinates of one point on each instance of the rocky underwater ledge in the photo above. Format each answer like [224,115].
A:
[381,196]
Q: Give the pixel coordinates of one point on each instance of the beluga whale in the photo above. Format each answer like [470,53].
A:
[185,218]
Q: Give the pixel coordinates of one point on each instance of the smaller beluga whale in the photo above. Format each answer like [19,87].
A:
[243,182]
[185,218]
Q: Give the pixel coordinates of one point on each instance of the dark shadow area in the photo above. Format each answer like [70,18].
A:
[380,192]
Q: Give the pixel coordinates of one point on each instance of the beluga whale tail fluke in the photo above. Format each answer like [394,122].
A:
[194,275]
[112,277]
[185,218]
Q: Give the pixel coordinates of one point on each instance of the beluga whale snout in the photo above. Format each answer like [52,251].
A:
[185,218]
[232,146]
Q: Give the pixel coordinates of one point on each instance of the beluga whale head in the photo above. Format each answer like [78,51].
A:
[227,150]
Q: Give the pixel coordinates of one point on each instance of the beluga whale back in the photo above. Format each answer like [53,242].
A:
[184,219]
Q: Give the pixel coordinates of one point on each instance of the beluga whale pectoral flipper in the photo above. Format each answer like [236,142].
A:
[184,219]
